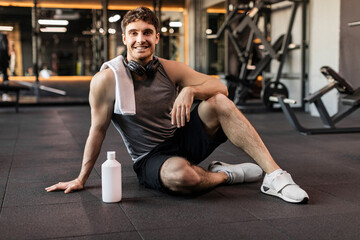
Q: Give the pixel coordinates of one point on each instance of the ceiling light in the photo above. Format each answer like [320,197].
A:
[114,18]
[175,24]
[6,28]
[53,22]
[53,29]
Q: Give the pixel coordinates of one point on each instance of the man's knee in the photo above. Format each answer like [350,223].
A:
[178,175]
[220,104]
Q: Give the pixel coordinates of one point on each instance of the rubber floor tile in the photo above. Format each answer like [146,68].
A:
[349,192]
[166,212]
[334,227]
[34,194]
[47,159]
[47,174]
[254,230]
[62,220]
[262,206]
[109,236]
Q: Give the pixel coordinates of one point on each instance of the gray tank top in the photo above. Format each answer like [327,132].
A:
[151,124]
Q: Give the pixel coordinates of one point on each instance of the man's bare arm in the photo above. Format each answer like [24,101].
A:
[194,85]
[101,100]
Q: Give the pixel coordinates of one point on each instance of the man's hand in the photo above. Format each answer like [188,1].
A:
[182,106]
[67,186]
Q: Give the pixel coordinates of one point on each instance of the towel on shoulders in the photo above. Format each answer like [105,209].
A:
[124,88]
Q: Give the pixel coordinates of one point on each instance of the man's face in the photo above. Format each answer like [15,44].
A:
[140,39]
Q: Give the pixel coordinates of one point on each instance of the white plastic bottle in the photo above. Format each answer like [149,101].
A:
[111,179]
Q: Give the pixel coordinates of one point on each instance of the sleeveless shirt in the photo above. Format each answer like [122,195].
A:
[151,125]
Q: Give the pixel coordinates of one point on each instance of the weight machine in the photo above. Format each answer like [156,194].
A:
[247,18]
[350,99]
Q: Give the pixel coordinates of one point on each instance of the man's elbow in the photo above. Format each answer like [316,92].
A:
[224,90]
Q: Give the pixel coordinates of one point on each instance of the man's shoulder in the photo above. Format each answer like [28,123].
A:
[103,78]
[104,75]
[165,61]
[174,69]
[102,86]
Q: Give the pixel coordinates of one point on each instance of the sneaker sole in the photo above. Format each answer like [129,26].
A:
[271,192]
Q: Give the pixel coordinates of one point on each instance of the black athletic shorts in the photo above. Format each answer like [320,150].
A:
[190,142]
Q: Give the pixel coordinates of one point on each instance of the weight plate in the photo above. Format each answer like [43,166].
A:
[273,89]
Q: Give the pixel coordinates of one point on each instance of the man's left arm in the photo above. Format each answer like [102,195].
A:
[193,85]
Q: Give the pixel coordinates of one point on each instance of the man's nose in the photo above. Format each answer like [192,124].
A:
[140,37]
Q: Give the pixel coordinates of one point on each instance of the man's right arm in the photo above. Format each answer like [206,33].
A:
[101,99]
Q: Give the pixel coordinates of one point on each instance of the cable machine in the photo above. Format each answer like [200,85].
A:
[246,17]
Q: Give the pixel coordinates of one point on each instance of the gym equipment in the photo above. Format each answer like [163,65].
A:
[273,89]
[10,87]
[240,87]
[35,53]
[351,102]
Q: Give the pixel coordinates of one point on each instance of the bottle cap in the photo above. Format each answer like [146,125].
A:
[111,155]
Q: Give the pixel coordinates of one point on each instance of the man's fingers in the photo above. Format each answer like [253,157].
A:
[50,189]
[67,186]
[173,112]
[73,187]
[178,116]
[58,186]
[69,189]
[183,112]
[188,114]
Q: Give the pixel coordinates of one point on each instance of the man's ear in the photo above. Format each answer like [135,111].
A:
[124,39]
[157,38]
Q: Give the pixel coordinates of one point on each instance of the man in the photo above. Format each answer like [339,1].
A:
[46,72]
[4,63]
[4,57]
[164,137]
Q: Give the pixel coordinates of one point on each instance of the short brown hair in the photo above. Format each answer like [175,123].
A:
[140,13]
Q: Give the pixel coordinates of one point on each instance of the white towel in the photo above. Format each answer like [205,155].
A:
[124,88]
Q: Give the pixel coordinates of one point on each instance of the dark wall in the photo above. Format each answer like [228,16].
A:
[350,42]
[26,41]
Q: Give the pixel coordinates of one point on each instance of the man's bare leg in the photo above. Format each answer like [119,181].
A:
[220,111]
[178,175]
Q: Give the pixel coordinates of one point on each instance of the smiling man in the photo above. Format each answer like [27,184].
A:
[150,101]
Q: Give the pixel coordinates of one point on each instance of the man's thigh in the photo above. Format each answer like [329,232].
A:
[196,144]
[191,142]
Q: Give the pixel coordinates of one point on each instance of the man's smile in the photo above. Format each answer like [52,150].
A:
[141,47]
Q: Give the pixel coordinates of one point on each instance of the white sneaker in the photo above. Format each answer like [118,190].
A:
[283,186]
[238,173]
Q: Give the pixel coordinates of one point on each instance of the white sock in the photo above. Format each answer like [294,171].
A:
[274,174]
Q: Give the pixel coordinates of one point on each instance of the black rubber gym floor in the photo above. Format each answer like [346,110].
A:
[40,146]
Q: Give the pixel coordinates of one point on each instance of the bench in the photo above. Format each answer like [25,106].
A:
[12,87]
[350,99]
